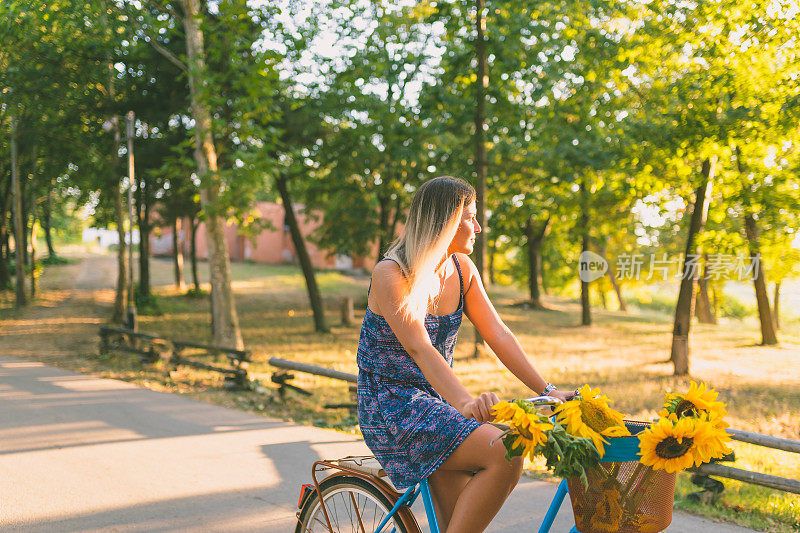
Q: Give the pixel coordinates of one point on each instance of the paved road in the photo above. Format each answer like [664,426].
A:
[79,453]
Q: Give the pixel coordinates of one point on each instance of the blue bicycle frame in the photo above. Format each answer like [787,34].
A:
[408,498]
[412,493]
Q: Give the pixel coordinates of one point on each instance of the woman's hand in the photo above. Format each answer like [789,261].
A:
[480,407]
[564,396]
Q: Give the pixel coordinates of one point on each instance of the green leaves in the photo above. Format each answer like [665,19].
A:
[568,456]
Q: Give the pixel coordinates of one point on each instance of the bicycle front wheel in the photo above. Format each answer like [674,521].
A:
[353,505]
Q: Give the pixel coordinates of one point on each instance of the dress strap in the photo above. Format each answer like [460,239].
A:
[460,281]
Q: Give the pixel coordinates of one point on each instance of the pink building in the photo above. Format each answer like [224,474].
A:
[271,246]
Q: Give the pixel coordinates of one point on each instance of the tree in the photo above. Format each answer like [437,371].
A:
[373,152]
[229,61]
[51,57]
[19,226]
[224,317]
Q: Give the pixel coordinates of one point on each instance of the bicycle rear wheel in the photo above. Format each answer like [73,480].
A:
[353,505]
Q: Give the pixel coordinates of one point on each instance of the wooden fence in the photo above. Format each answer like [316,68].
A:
[150,348]
[756,478]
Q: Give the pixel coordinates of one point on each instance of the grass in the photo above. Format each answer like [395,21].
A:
[625,354]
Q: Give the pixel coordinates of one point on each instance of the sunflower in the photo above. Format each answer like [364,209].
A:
[670,445]
[609,511]
[711,441]
[529,426]
[505,411]
[697,401]
[645,523]
[591,417]
[533,428]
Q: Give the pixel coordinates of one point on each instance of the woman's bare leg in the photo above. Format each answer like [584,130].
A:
[484,493]
[446,486]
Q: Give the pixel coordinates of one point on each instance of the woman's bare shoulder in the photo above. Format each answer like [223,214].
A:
[387,285]
[387,271]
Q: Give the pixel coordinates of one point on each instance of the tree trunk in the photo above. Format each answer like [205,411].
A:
[703,303]
[383,224]
[47,219]
[768,334]
[683,308]
[5,204]
[586,305]
[586,308]
[492,247]
[223,308]
[121,295]
[33,254]
[536,235]
[714,300]
[193,254]
[602,293]
[395,217]
[480,154]
[19,227]
[314,297]
[29,210]
[703,310]
[23,189]
[543,276]
[177,255]
[613,279]
[775,306]
[143,196]
[118,315]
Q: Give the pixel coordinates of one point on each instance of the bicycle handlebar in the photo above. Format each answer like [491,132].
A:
[544,400]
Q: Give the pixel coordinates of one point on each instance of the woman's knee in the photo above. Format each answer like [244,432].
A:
[512,469]
[516,471]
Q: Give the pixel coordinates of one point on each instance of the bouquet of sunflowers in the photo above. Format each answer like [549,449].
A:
[630,485]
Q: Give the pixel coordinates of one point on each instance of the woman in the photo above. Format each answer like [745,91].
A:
[414,413]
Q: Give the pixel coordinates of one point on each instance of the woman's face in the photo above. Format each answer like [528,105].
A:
[468,226]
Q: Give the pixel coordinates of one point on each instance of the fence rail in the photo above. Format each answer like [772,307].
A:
[756,478]
[767,441]
[312,369]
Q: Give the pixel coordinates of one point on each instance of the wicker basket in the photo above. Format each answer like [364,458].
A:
[623,494]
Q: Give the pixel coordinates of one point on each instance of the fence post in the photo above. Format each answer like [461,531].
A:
[347,311]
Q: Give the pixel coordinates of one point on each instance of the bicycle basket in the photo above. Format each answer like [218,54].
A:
[623,494]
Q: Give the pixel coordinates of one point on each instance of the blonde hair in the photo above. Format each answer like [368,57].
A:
[432,222]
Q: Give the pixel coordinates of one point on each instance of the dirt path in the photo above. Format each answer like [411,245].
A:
[61,323]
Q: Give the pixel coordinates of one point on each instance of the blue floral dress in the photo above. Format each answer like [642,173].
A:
[407,425]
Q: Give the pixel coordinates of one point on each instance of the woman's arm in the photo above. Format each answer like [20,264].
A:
[388,284]
[484,317]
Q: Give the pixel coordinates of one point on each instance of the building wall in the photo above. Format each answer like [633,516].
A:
[271,246]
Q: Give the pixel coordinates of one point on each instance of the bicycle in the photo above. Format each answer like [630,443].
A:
[356,498]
